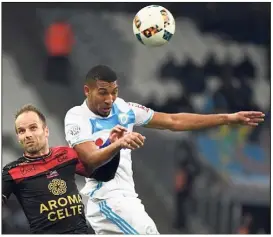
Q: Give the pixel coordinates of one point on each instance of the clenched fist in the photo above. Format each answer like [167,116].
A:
[125,139]
[132,140]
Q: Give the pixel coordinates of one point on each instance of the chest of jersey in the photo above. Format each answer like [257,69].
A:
[50,197]
[101,127]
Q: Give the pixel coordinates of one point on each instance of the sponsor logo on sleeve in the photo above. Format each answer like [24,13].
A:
[74,130]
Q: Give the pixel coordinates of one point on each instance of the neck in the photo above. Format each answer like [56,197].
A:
[90,107]
[44,151]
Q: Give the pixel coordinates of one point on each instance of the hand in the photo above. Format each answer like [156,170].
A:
[132,140]
[250,118]
[116,133]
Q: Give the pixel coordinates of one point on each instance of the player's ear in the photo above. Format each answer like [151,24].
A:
[86,90]
[21,143]
[46,131]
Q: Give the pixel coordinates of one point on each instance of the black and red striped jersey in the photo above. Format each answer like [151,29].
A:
[46,189]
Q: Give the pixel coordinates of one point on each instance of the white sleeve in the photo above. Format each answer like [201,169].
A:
[77,128]
[143,115]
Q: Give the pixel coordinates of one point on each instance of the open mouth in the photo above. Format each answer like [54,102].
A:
[106,110]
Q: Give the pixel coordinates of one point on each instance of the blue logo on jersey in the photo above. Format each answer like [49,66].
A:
[118,118]
[123,118]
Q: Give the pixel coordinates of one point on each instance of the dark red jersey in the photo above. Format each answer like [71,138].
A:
[46,189]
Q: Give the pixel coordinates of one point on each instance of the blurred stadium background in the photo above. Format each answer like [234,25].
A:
[215,181]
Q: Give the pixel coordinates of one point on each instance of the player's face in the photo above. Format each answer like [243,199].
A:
[32,134]
[101,96]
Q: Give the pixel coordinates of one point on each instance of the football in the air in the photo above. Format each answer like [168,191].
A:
[154,25]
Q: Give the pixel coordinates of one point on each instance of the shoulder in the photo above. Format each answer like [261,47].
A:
[61,151]
[76,118]
[58,149]
[135,107]
[13,164]
[75,111]
[123,105]
[120,101]
[138,107]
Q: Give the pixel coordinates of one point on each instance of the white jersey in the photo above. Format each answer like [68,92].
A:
[83,125]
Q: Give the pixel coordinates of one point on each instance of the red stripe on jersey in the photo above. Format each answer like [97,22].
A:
[59,156]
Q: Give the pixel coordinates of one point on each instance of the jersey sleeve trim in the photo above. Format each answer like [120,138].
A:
[148,120]
[82,141]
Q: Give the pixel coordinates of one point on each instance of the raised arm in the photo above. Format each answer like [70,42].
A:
[189,121]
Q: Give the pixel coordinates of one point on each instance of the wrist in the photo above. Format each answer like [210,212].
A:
[227,118]
[117,144]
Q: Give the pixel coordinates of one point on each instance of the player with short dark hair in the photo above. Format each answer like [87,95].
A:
[43,178]
[113,206]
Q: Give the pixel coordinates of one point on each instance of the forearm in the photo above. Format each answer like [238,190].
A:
[98,157]
[188,121]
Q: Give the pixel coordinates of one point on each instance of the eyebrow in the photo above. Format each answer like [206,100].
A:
[104,89]
[28,125]
[32,124]
[101,88]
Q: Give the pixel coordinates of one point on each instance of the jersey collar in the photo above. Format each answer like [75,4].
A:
[90,113]
[28,158]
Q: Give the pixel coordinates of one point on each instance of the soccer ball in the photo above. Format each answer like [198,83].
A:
[154,25]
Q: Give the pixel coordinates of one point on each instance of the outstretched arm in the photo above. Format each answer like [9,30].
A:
[189,121]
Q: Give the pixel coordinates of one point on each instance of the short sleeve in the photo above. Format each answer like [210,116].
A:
[143,115]
[78,129]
